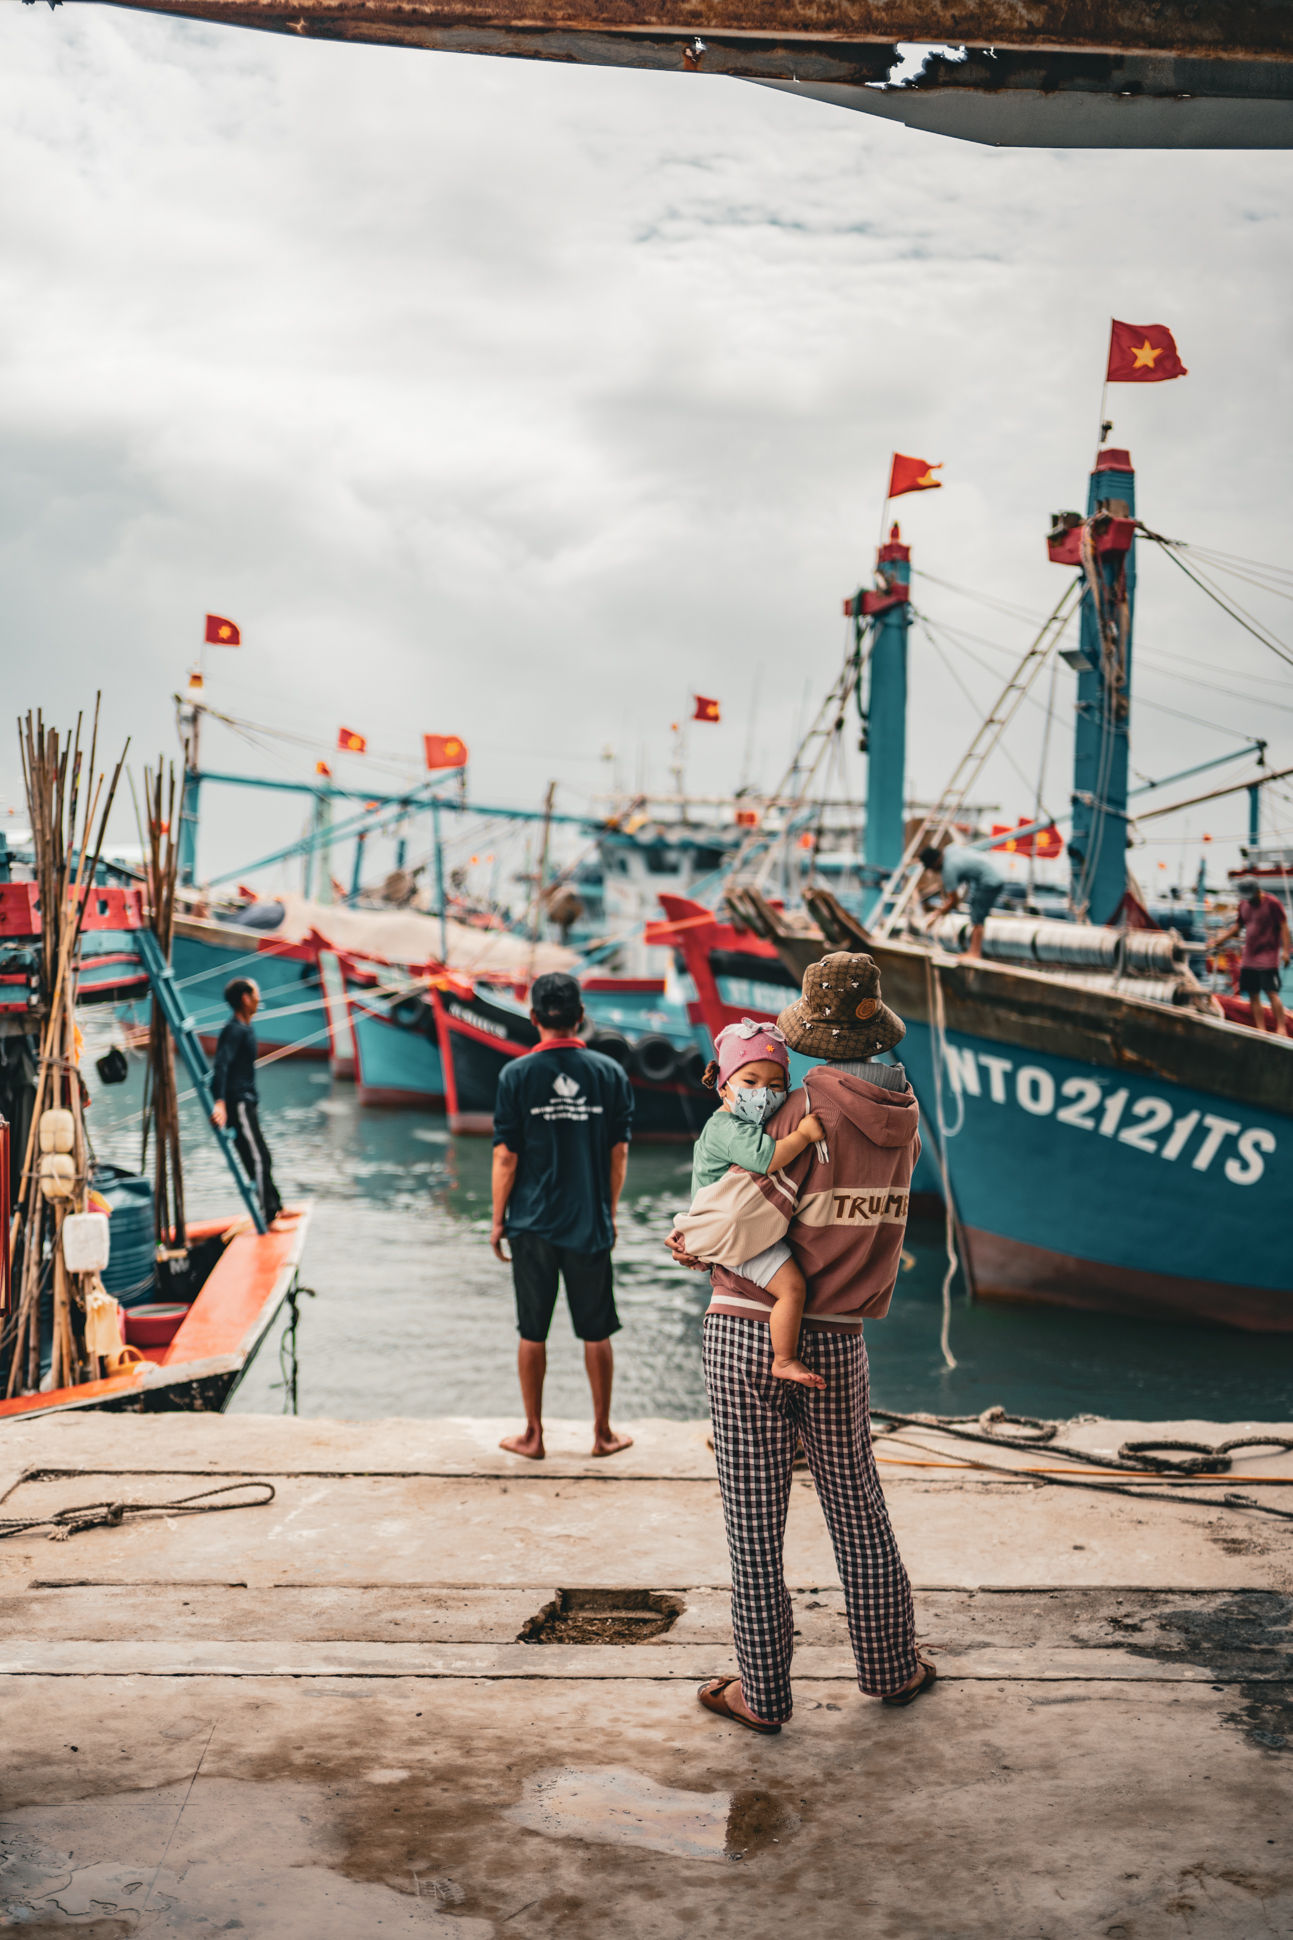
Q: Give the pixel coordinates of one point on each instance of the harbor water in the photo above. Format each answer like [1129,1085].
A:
[412,1315]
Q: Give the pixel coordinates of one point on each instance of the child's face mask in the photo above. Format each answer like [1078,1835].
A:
[755,1105]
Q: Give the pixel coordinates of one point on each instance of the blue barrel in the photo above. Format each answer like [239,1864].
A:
[131,1273]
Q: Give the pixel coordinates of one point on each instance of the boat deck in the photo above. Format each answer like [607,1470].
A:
[222,1330]
[220,1719]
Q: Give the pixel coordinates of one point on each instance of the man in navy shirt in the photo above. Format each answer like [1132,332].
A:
[233,1086]
[562,1121]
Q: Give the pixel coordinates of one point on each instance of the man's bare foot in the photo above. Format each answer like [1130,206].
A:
[529,1444]
[609,1443]
[796,1371]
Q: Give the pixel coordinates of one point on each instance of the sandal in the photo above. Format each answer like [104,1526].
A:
[711,1696]
[909,1697]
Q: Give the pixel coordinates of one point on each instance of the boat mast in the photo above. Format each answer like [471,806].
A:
[189,720]
[1102,545]
[884,734]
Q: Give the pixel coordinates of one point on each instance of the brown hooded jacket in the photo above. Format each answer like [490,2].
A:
[844,1214]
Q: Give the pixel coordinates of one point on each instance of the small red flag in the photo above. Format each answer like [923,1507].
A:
[351,743]
[1045,843]
[445,751]
[706,709]
[1143,353]
[221,633]
[912,475]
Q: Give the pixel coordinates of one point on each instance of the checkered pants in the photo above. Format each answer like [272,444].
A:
[755,1421]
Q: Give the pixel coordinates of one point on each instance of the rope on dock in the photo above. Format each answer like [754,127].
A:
[1132,1457]
[110,1515]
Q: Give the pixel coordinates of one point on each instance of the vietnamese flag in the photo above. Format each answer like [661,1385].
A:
[445,751]
[221,633]
[912,475]
[1044,843]
[351,743]
[706,709]
[1142,353]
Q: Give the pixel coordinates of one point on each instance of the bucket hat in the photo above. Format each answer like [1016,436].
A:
[840,1014]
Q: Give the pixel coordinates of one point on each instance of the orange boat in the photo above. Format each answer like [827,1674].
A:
[206,1357]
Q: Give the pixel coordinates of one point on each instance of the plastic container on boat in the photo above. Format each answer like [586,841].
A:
[86,1242]
[131,1273]
[154,1323]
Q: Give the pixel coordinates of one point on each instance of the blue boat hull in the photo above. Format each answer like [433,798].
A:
[291,1015]
[1100,1189]
[397,1062]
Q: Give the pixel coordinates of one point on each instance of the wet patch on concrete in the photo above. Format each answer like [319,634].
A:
[1265,1716]
[616,1806]
[160,1861]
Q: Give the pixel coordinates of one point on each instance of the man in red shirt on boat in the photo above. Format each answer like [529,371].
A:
[1265,929]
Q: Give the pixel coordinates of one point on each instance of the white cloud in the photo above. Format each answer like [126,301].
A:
[517,400]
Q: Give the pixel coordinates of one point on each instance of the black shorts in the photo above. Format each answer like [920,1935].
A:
[1251,981]
[589,1288]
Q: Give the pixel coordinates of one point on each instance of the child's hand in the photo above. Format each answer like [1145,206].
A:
[810,1126]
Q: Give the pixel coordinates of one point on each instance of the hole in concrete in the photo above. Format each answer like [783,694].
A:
[603,1617]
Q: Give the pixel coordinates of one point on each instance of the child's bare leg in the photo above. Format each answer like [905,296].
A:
[788,1290]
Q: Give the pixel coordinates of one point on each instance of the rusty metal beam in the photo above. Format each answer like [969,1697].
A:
[1031,73]
[650,33]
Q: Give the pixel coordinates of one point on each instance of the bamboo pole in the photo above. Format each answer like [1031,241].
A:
[63,790]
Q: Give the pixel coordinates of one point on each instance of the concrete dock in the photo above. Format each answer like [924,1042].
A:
[317,1718]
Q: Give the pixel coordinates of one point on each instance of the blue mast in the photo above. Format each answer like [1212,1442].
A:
[1102,546]
[885,720]
[188,842]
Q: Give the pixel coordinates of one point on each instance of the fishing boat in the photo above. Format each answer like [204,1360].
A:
[110,1297]
[190,1355]
[1105,1138]
[482,1028]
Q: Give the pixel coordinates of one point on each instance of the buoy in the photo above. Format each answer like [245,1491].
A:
[57,1132]
[57,1172]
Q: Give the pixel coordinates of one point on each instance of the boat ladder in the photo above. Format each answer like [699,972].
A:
[161,980]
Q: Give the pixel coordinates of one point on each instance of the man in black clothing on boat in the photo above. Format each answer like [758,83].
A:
[562,1119]
[233,1083]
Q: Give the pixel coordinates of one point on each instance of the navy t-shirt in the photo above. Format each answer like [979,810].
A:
[561,1108]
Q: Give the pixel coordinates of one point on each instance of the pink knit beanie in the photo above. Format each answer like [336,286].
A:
[750,1043]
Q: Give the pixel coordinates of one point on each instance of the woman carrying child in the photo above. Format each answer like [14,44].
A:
[828,1170]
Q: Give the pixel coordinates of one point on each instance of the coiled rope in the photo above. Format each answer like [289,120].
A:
[938,1041]
[1132,1459]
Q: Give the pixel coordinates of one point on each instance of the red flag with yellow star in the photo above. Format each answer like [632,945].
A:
[351,743]
[221,633]
[706,709]
[1143,353]
[912,475]
[445,751]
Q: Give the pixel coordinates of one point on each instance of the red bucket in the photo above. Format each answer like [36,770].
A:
[153,1325]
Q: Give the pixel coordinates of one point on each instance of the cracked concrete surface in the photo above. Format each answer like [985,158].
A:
[323,1723]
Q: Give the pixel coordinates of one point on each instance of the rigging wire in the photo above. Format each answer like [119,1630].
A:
[976,704]
[1214,593]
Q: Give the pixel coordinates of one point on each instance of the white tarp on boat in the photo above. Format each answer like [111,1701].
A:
[399,936]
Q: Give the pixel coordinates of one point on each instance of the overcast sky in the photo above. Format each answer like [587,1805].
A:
[520,401]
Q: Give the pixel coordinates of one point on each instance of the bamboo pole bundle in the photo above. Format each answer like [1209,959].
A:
[62,791]
[161,1107]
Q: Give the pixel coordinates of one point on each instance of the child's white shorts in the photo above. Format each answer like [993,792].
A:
[762,1267]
